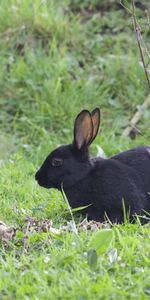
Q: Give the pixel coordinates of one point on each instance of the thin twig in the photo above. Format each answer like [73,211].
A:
[137,30]
[148,19]
[147,63]
[135,119]
[139,37]
[126,8]
[145,47]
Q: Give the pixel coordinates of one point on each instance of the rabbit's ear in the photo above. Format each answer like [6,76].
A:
[83,129]
[96,122]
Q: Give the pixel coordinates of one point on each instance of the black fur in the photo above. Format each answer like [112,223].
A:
[103,183]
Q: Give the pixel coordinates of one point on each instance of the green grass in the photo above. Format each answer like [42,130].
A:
[56,58]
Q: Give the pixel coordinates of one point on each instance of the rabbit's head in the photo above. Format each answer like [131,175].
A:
[69,164]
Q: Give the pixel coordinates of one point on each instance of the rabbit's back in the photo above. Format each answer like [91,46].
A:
[115,181]
[139,160]
[133,156]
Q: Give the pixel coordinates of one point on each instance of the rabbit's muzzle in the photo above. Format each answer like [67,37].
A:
[42,181]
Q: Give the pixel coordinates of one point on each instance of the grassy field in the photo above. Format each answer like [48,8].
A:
[56,58]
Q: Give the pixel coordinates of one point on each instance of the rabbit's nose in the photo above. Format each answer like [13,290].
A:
[37,175]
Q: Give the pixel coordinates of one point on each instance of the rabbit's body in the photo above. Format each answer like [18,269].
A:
[109,181]
[103,184]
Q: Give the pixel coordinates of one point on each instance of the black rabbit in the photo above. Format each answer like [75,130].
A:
[106,184]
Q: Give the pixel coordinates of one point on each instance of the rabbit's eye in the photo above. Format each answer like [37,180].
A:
[57,162]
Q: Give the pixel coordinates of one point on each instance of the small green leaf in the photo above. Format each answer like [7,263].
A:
[92,258]
[101,241]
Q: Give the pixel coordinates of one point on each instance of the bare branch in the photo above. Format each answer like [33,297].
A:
[148,18]
[136,117]
[148,63]
[126,8]
[137,30]
[139,38]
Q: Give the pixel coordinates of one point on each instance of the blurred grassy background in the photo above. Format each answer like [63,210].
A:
[56,58]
